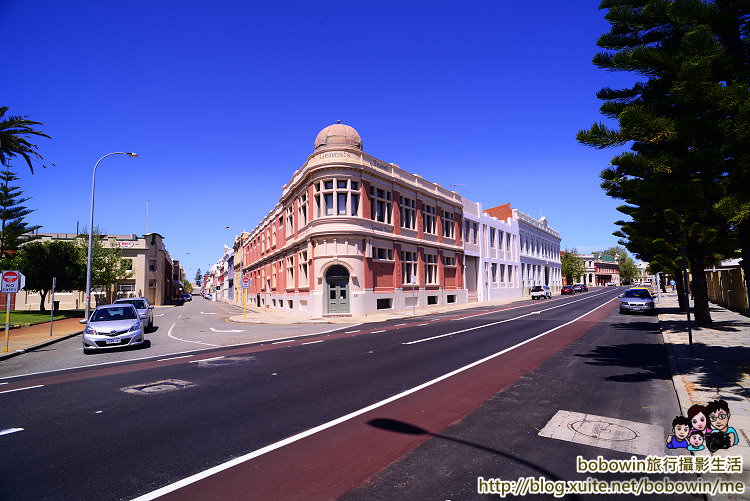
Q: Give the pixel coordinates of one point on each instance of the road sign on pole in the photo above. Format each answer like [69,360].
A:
[246,282]
[12,281]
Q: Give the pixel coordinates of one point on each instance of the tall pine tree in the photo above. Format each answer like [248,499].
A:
[671,121]
[14,230]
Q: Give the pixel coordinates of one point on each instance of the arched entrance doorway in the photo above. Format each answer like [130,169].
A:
[337,283]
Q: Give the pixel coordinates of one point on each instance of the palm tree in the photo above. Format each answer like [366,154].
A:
[13,139]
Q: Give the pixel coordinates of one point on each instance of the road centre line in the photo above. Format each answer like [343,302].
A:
[399,325]
[378,332]
[10,430]
[421,325]
[205,360]
[313,342]
[20,389]
[174,358]
[312,431]
[285,341]
[352,332]
[522,306]
[538,312]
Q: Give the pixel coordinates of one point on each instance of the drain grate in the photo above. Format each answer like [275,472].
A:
[163,386]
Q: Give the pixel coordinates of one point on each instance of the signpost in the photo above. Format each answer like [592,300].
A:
[246,283]
[52,308]
[11,281]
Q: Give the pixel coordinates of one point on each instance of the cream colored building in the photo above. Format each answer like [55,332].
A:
[151,273]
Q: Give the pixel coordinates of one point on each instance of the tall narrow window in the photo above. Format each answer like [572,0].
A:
[494,273]
[430,268]
[428,214]
[408,213]
[381,205]
[492,238]
[290,220]
[290,272]
[302,210]
[409,267]
[303,276]
[449,221]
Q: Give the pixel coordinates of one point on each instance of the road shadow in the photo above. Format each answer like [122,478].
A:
[153,329]
[714,367]
[396,426]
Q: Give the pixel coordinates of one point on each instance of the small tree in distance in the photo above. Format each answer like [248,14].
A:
[571,265]
[198,277]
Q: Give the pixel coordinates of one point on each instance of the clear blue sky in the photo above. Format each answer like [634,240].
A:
[222,101]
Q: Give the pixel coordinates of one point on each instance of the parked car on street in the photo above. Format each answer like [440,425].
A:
[638,300]
[187,296]
[566,289]
[540,292]
[577,288]
[112,326]
[584,287]
[145,310]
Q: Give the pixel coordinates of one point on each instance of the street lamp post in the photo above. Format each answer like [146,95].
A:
[91,228]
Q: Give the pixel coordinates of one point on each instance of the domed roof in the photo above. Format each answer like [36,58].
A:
[338,135]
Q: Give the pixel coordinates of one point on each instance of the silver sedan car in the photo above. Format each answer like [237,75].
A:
[112,326]
[639,300]
[145,310]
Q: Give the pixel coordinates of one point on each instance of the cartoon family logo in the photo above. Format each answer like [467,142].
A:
[703,428]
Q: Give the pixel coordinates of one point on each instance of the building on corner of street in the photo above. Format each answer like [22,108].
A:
[148,259]
[353,234]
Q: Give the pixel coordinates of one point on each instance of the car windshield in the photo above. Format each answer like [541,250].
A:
[536,288]
[138,303]
[637,293]
[113,314]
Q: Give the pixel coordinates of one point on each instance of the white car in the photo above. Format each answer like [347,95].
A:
[540,292]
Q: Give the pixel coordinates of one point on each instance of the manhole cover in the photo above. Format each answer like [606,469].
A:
[603,430]
[163,386]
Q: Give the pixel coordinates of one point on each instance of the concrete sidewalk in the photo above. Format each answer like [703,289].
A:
[717,367]
[36,336]
[255,315]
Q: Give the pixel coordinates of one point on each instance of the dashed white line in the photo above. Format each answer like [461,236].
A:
[421,325]
[21,389]
[285,341]
[174,358]
[376,332]
[351,332]
[10,430]
[312,342]
[399,325]
[205,360]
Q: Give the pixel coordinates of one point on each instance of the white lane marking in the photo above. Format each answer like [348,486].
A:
[421,325]
[174,358]
[282,342]
[523,306]
[4,383]
[376,332]
[330,424]
[21,389]
[205,360]
[207,313]
[494,323]
[187,340]
[399,325]
[312,342]
[159,315]
[10,430]
[230,330]
[351,332]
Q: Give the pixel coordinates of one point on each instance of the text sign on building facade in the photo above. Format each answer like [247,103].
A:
[12,281]
[246,282]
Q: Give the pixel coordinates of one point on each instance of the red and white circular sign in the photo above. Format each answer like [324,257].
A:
[245,280]
[10,277]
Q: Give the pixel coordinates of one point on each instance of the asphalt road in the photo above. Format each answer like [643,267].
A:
[120,429]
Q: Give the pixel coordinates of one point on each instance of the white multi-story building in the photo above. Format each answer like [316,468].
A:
[539,252]
[491,252]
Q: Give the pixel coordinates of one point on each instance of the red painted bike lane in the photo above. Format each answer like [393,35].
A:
[330,462]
